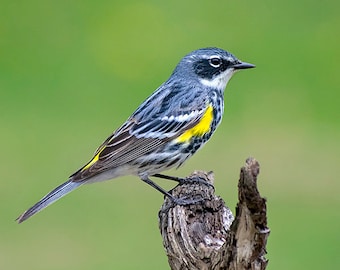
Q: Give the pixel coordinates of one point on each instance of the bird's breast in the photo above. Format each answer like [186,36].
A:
[201,128]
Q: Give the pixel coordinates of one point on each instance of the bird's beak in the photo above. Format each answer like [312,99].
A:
[243,65]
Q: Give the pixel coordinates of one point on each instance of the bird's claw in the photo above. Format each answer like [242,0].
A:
[186,201]
[195,179]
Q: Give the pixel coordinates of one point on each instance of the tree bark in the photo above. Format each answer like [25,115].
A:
[204,234]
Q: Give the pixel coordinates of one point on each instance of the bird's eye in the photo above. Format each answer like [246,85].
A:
[215,62]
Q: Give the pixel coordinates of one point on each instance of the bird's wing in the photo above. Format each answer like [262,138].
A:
[139,137]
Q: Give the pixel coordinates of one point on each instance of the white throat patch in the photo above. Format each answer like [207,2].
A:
[220,81]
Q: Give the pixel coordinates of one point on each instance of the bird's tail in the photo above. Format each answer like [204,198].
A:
[50,198]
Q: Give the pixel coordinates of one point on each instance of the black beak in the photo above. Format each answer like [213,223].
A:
[243,65]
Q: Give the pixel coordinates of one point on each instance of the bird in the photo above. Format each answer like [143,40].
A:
[170,126]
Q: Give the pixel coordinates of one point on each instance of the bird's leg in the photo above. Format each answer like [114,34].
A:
[178,201]
[182,181]
[168,177]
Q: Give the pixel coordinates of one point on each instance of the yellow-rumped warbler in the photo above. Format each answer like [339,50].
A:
[166,129]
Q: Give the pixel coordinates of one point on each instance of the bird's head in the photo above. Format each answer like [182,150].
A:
[213,67]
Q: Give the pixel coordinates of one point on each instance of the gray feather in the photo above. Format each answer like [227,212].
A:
[50,198]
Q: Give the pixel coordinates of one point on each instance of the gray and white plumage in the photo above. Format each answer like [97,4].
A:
[165,130]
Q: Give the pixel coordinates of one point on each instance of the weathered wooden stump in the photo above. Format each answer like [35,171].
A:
[205,235]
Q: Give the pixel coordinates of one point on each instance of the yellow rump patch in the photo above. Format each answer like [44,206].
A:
[200,129]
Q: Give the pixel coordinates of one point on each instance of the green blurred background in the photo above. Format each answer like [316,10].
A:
[72,71]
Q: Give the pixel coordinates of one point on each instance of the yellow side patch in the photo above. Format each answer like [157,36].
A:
[200,129]
[93,161]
